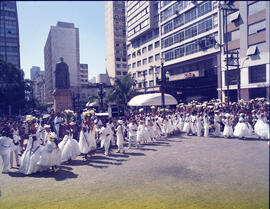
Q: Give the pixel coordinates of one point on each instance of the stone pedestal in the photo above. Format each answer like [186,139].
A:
[62,100]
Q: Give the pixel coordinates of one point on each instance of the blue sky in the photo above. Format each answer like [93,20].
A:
[35,19]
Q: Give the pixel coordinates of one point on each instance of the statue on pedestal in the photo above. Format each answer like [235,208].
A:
[62,75]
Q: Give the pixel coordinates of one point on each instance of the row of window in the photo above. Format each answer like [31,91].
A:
[174,9]
[8,4]
[164,3]
[257,27]
[8,39]
[118,59]
[9,22]
[145,38]
[144,72]
[8,31]
[119,73]
[144,61]
[135,7]
[7,13]
[144,49]
[138,16]
[8,49]
[256,7]
[194,30]
[145,84]
[190,48]
[256,74]
[139,27]
[186,17]
[119,65]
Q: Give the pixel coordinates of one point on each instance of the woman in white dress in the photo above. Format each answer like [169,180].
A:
[261,127]
[92,138]
[141,133]
[206,124]
[187,125]
[199,124]
[31,156]
[16,148]
[120,137]
[84,144]
[241,130]
[69,147]
[157,129]
[228,129]
[51,154]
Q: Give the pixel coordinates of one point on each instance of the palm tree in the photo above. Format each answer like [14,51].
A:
[123,90]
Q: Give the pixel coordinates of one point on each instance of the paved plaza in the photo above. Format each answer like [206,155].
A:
[178,172]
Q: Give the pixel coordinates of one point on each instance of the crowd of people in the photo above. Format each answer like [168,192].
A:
[43,142]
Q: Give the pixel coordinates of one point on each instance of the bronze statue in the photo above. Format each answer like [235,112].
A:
[62,75]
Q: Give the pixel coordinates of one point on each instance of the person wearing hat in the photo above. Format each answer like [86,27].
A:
[132,133]
[84,143]
[51,154]
[187,125]
[206,123]
[120,136]
[105,138]
[69,147]
[5,148]
[241,130]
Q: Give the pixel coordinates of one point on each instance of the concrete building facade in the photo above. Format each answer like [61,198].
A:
[248,33]
[9,33]
[34,71]
[62,41]
[39,87]
[83,74]
[116,52]
[143,42]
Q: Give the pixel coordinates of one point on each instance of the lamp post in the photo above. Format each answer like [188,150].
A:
[144,83]
[162,83]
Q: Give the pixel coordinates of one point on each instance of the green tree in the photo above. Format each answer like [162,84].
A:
[123,90]
[11,88]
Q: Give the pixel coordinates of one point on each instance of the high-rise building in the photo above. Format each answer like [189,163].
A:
[83,74]
[62,41]
[116,52]
[247,33]
[9,33]
[143,42]
[39,87]
[34,71]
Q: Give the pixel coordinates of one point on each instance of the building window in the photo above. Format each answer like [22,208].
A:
[118,59]
[124,65]
[156,44]
[129,56]
[178,21]
[134,75]
[205,26]
[257,27]
[143,50]
[179,52]
[138,52]
[233,35]
[118,72]
[144,61]
[151,71]
[150,59]
[204,8]
[133,54]
[124,59]
[191,32]
[133,64]
[117,65]
[191,48]
[151,83]
[232,76]
[157,57]
[124,72]
[139,74]
[190,15]
[167,42]
[257,74]
[256,7]
[139,63]
[150,47]
[129,67]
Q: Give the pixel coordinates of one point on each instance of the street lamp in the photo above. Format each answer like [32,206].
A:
[162,82]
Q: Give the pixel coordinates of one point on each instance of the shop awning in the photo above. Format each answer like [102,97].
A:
[152,100]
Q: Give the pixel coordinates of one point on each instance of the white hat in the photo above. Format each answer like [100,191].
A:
[227,115]
[120,121]
[47,126]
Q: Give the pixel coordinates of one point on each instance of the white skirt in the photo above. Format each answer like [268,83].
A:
[69,150]
[83,143]
[50,156]
[261,129]
[186,127]
[241,130]
[228,131]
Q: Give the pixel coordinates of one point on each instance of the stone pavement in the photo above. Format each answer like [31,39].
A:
[178,172]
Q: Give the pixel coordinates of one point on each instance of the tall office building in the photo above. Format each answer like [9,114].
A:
[143,42]
[34,71]
[83,74]
[9,33]
[62,41]
[116,52]
[247,33]
[39,87]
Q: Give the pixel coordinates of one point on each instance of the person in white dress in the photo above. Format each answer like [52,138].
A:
[92,138]
[217,122]
[206,124]
[15,148]
[57,122]
[120,137]
[84,143]
[105,138]
[5,148]
[228,129]
[199,124]
[132,133]
[51,154]
[241,130]
[157,129]
[187,125]
[141,133]
[31,156]
[261,127]
[193,123]
[69,147]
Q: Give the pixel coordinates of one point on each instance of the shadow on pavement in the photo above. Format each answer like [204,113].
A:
[135,153]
